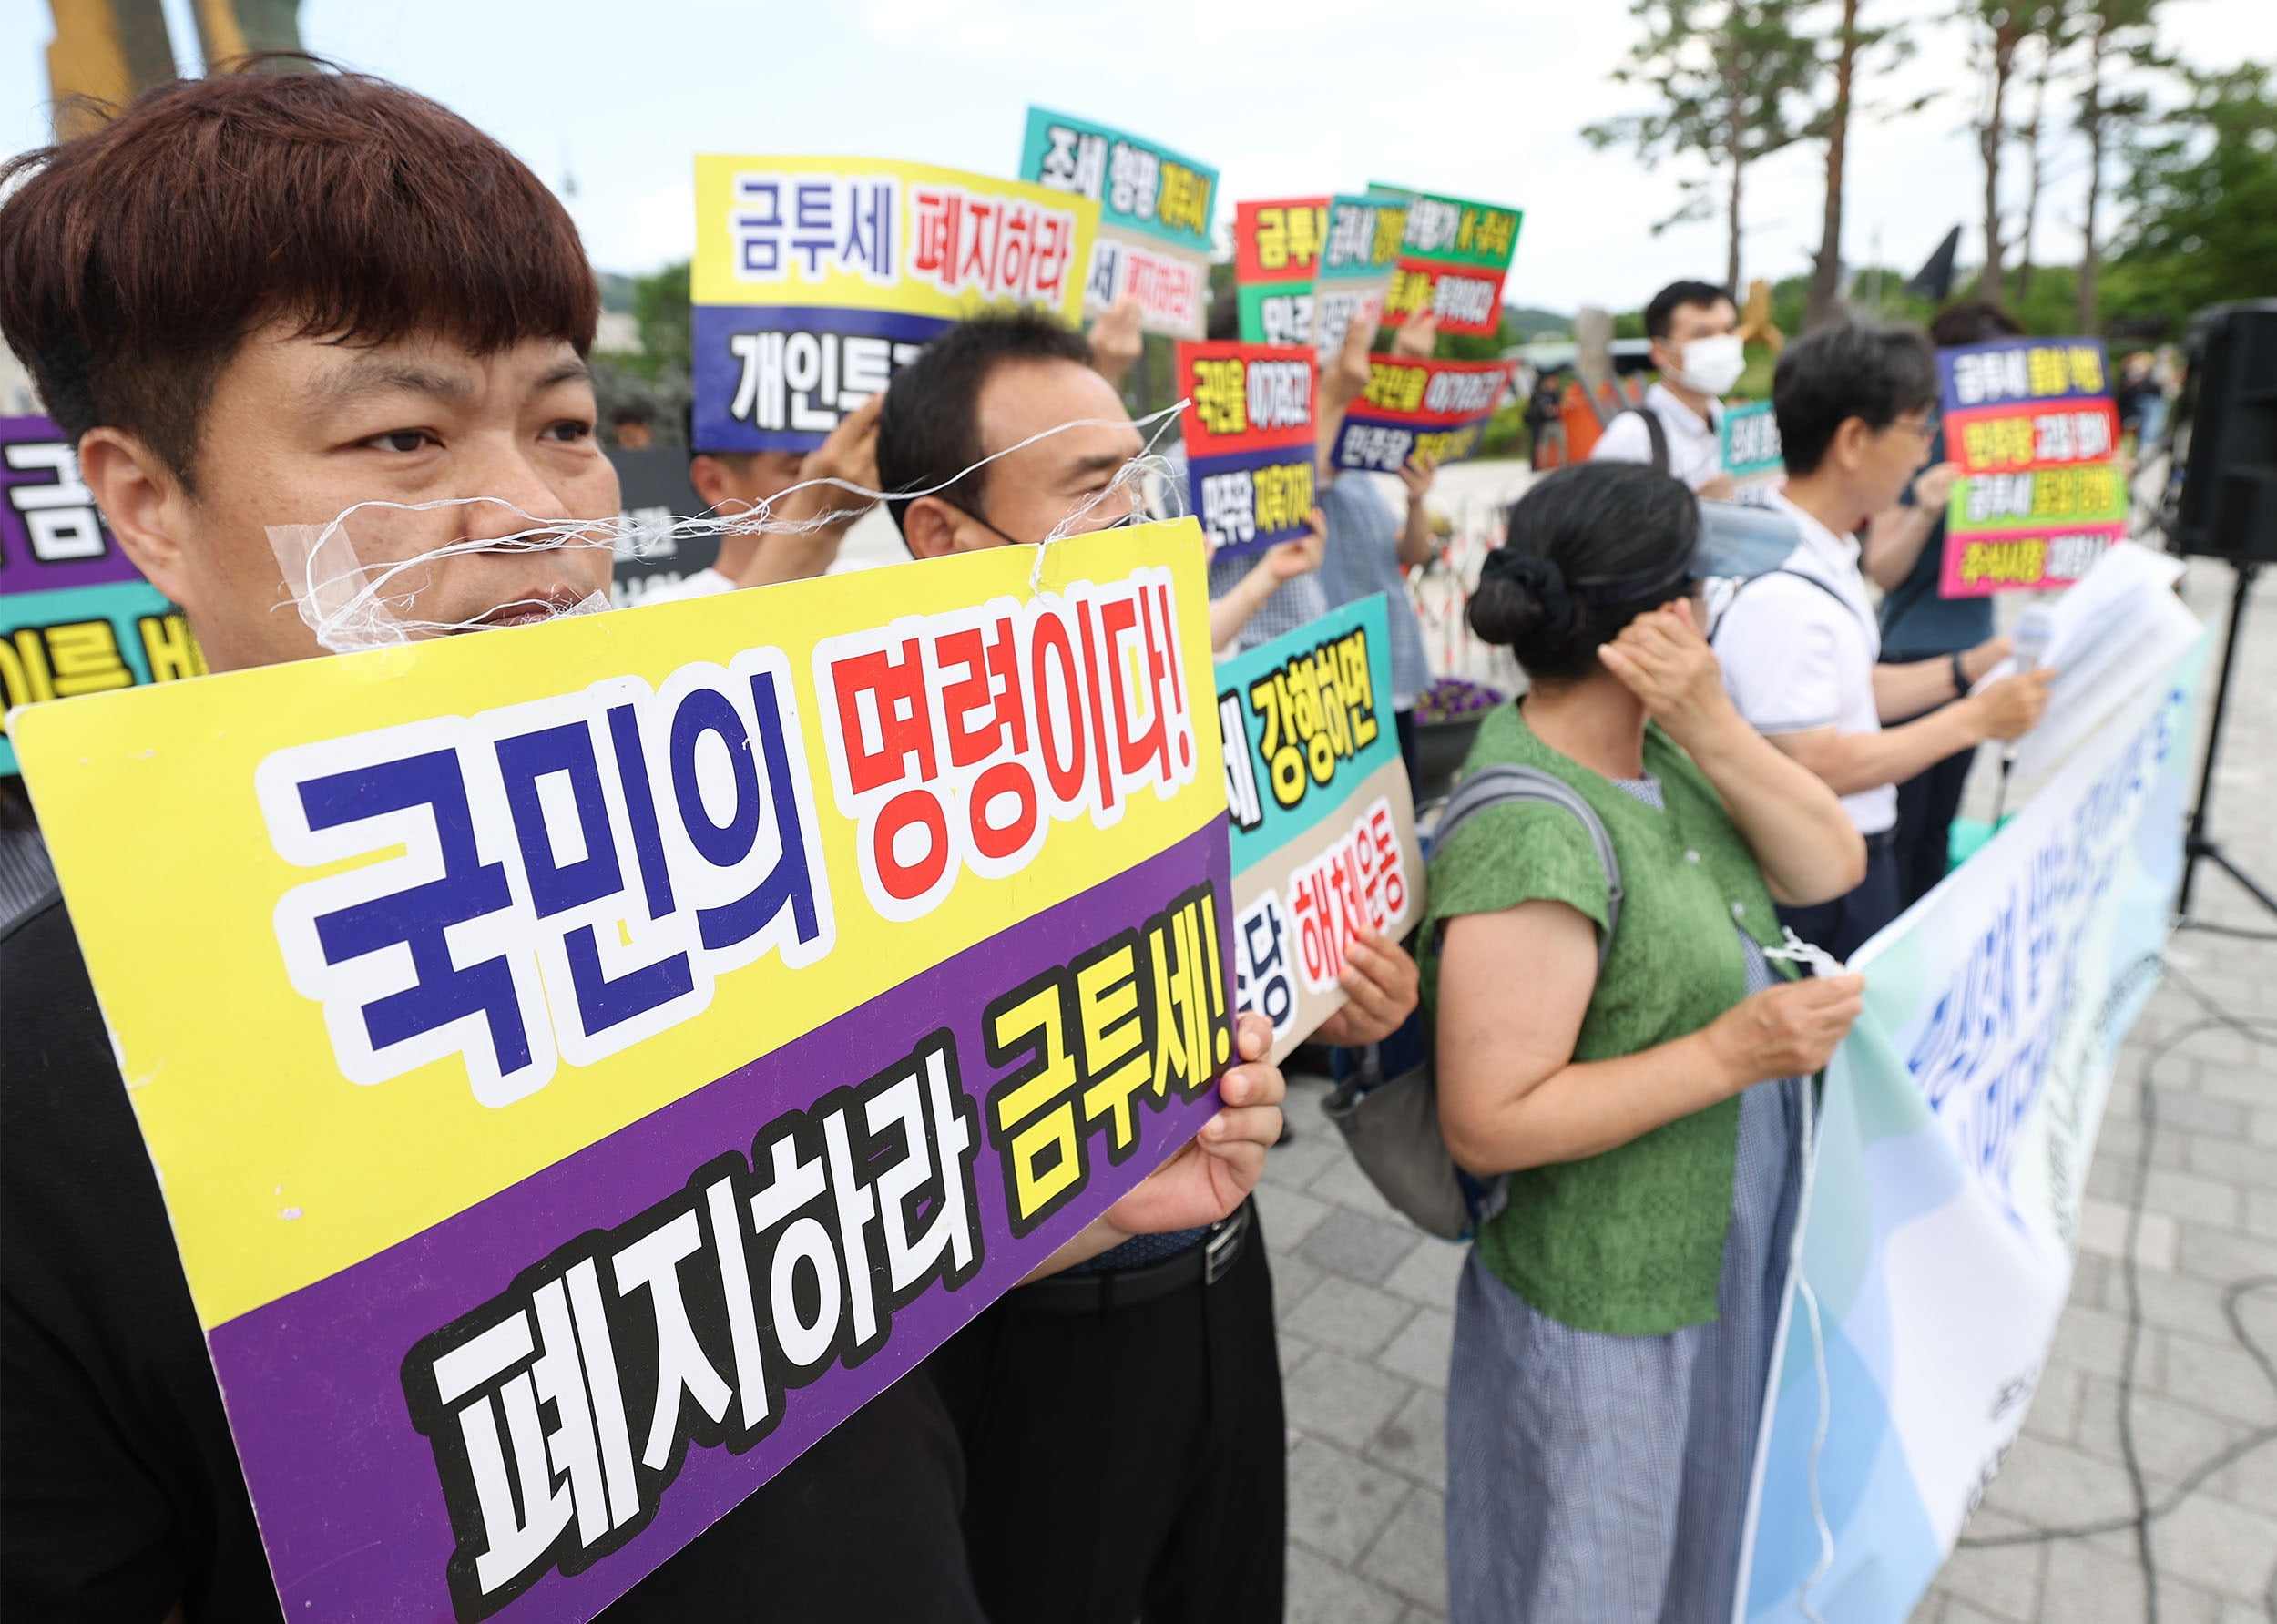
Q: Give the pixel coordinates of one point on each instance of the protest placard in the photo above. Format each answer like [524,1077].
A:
[1438,409]
[75,616]
[1155,208]
[1747,438]
[2031,422]
[1323,823]
[1305,269]
[1453,260]
[560,1124]
[1251,442]
[816,278]
[1357,257]
[1959,1121]
[1276,258]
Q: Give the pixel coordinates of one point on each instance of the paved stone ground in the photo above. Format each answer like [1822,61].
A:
[1365,1300]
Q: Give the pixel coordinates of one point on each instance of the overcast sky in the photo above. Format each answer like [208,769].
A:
[1478,97]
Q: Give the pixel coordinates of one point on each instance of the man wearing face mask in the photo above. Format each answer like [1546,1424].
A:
[1694,330]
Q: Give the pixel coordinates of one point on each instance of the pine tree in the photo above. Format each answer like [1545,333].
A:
[2001,27]
[2119,33]
[1731,77]
[1858,52]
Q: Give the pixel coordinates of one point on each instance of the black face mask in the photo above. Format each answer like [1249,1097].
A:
[1136,515]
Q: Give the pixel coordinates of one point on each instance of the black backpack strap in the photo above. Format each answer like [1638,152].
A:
[1509,785]
[1657,432]
[1725,613]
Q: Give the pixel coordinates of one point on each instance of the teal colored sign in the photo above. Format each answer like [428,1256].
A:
[75,640]
[1750,440]
[1140,186]
[1322,819]
[1305,717]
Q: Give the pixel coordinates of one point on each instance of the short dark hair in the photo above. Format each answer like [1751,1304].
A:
[1589,549]
[1661,314]
[1850,369]
[137,260]
[1973,322]
[929,428]
[632,412]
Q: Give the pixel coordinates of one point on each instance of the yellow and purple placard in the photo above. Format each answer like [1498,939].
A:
[75,616]
[1251,442]
[1438,409]
[1323,819]
[1453,259]
[2032,426]
[586,1062]
[816,279]
[1155,208]
[1276,256]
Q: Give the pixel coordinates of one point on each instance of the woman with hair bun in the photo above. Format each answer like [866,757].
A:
[1613,1327]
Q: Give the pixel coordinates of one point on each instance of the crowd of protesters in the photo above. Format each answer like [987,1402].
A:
[401,311]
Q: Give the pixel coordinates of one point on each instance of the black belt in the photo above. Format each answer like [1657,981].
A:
[1881,842]
[1206,1263]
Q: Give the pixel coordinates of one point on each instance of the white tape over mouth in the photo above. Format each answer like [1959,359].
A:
[352,603]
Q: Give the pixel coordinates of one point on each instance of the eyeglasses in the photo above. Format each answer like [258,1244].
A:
[1925,430]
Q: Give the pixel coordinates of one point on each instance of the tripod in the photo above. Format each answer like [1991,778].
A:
[2197,843]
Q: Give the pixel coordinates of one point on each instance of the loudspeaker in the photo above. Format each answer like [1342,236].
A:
[2226,435]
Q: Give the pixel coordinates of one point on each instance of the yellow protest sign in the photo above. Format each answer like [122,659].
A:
[771,979]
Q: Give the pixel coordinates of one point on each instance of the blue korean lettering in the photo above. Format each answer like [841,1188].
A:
[418,917]
[603,1000]
[789,883]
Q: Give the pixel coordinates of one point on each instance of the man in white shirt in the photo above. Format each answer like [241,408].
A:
[802,520]
[1695,333]
[1799,645]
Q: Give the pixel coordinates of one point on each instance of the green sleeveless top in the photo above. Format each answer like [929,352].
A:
[1629,1243]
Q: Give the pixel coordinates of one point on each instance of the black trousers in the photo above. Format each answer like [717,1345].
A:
[1926,806]
[861,1529]
[1127,1465]
[1843,925]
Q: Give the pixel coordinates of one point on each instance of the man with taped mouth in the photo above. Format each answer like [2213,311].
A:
[255,301]
[1167,1504]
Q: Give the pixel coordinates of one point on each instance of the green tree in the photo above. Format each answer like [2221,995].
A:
[661,307]
[2119,35]
[2051,46]
[1732,77]
[2202,205]
[1858,52]
[2000,29]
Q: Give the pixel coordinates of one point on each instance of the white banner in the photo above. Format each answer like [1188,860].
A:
[1959,1119]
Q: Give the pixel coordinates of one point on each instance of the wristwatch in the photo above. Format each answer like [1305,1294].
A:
[1960,678]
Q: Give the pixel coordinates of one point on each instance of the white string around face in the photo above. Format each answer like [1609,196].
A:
[353,601]
[1160,494]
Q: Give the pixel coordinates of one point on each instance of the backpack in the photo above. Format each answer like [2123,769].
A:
[1655,430]
[1388,1108]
